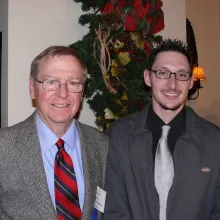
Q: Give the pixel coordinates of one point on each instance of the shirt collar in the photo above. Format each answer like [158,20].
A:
[154,122]
[48,138]
[179,122]
[71,136]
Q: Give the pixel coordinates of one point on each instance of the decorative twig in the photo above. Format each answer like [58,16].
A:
[122,17]
[122,83]
[102,37]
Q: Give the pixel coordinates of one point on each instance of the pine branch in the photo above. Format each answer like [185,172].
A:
[128,61]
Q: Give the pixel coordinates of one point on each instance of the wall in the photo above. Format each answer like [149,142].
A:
[205,18]
[4,76]
[35,25]
[175,19]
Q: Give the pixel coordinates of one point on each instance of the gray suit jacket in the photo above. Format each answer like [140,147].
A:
[24,193]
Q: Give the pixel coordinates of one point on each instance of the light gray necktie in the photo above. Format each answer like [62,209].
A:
[163,171]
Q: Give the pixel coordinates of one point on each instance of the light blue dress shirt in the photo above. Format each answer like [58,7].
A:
[48,149]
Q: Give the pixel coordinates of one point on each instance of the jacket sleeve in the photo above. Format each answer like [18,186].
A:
[3,216]
[116,206]
[215,212]
[215,215]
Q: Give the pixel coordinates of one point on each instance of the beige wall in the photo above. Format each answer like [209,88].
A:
[205,18]
[35,25]
[175,19]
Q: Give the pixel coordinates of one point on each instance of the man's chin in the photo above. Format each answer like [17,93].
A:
[170,108]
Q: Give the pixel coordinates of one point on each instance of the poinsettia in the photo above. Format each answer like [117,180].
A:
[145,15]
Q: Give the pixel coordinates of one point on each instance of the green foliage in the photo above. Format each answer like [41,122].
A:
[132,94]
[91,4]
[90,19]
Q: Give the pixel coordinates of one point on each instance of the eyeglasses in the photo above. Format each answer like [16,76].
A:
[53,85]
[166,74]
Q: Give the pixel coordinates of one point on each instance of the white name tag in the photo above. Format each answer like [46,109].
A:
[100,199]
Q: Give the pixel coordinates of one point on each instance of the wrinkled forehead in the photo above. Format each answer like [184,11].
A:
[58,66]
[173,61]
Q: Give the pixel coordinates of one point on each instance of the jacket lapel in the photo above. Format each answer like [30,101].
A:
[90,170]
[139,147]
[194,129]
[140,153]
[31,165]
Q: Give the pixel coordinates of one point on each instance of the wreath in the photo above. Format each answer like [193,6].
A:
[115,50]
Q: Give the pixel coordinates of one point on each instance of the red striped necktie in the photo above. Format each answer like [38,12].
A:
[65,186]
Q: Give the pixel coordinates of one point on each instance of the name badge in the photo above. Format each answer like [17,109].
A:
[100,199]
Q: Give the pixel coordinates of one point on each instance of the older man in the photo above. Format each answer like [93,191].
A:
[50,164]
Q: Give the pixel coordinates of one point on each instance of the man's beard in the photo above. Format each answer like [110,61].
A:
[174,108]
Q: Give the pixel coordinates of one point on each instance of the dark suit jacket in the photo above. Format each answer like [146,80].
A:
[24,193]
[131,194]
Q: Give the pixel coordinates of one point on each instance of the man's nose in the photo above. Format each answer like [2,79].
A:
[62,91]
[172,81]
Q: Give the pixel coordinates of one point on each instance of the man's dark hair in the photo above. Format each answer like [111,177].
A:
[170,45]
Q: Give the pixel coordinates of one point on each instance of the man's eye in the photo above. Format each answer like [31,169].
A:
[183,74]
[72,83]
[51,82]
[164,72]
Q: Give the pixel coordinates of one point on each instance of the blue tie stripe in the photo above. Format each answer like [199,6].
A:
[59,160]
[64,168]
[66,191]
[64,212]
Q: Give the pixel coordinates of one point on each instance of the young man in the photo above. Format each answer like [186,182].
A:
[164,161]
[50,164]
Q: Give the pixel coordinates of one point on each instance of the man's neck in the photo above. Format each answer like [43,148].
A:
[59,130]
[166,115]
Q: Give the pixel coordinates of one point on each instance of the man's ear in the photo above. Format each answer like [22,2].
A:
[191,82]
[147,77]
[82,94]
[31,87]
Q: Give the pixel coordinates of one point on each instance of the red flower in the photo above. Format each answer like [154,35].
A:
[139,14]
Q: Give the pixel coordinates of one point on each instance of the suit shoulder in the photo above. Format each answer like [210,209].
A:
[91,130]
[93,135]
[209,127]
[10,133]
[126,125]
[11,130]
[127,120]
[204,125]
[8,138]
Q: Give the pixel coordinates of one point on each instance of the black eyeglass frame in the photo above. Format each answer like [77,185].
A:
[171,73]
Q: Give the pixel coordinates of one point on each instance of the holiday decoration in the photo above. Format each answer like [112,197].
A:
[191,41]
[120,37]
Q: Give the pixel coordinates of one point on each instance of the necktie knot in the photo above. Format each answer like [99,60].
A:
[165,131]
[60,144]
